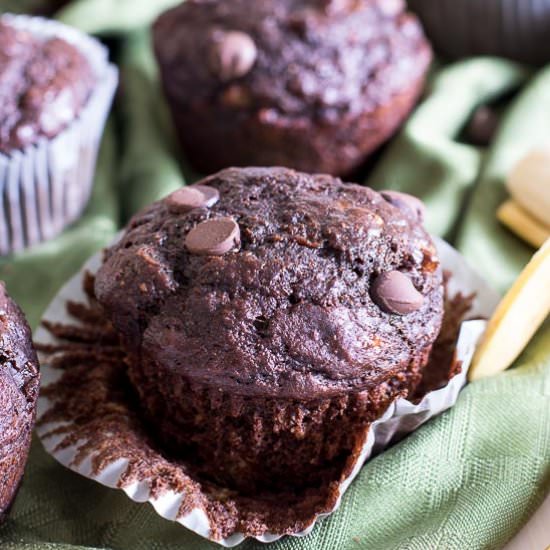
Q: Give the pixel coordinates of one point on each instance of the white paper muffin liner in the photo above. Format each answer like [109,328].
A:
[399,420]
[45,186]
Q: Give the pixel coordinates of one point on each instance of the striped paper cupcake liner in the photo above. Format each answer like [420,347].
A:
[46,186]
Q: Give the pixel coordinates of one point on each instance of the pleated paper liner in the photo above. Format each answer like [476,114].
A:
[45,187]
[89,421]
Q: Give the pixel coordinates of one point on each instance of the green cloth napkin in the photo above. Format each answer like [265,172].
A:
[468,479]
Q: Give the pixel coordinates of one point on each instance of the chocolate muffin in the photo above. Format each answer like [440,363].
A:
[314,85]
[270,316]
[19,381]
[36,7]
[45,84]
[56,85]
[515,29]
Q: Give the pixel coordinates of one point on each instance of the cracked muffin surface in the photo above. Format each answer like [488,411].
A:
[289,311]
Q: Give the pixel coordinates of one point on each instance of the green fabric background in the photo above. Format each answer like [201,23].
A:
[470,478]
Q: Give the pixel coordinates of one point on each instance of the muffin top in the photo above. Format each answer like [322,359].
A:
[44,84]
[19,378]
[290,59]
[271,281]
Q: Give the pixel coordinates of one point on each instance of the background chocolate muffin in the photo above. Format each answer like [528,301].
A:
[19,381]
[311,84]
[36,7]
[516,29]
[45,83]
[56,85]
[270,316]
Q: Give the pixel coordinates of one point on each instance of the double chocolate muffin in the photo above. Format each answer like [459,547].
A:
[516,29]
[36,7]
[19,381]
[314,85]
[56,88]
[45,85]
[269,316]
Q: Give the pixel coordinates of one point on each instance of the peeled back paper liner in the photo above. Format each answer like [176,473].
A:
[45,186]
[400,419]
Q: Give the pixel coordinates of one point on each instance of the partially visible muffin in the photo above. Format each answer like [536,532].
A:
[314,85]
[45,83]
[36,7]
[515,29]
[56,89]
[19,382]
[269,316]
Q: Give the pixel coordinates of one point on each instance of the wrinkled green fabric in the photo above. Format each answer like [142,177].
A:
[470,478]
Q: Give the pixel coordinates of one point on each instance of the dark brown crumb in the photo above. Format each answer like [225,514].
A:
[96,404]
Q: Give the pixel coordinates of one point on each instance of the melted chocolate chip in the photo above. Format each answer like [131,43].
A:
[406,202]
[233,55]
[394,293]
[195,196]
[213,237]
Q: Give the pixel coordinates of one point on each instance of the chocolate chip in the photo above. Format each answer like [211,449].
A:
[482,126]
[406,202]
[193,196]
[233,55]
[394,293]
[213,237]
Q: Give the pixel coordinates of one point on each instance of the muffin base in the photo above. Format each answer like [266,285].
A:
[215,137]
[262,444]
